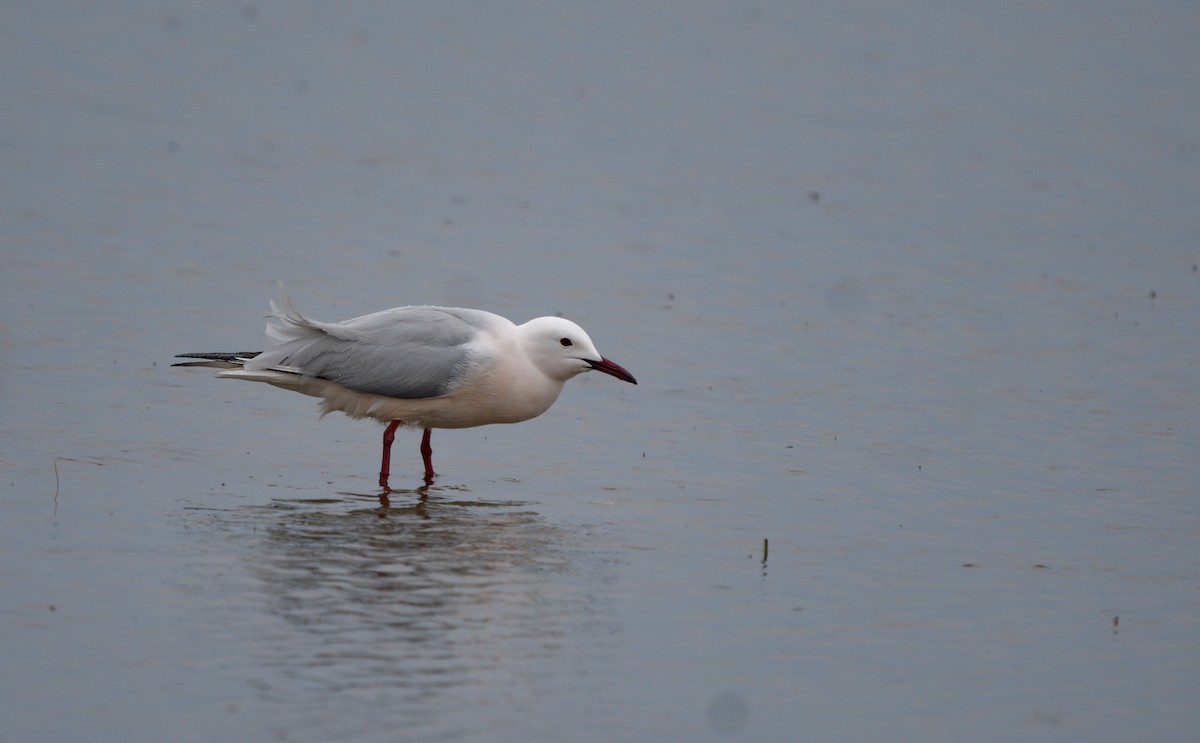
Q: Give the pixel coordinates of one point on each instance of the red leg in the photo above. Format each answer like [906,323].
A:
[427,454]
[389,435]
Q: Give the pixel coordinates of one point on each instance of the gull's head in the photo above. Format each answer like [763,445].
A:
[561,350]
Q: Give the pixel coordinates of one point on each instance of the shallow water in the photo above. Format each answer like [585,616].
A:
[911,293]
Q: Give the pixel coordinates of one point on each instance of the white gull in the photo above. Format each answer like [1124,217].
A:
[423,367]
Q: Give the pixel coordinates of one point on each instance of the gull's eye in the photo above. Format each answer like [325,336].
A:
[564,342]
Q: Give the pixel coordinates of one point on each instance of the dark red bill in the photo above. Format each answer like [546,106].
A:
[608,367]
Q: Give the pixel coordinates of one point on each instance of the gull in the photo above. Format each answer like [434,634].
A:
[419,366]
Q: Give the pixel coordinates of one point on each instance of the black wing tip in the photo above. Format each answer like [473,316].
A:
[223,356]
[232,359]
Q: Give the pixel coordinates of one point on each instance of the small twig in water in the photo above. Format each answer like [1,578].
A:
[67,459]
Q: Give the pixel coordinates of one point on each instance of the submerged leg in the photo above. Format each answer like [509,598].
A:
[427,454]
[389,435]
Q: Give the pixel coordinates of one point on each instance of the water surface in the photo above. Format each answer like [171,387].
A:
[910,292]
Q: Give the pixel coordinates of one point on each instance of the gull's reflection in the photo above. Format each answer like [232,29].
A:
[418,596]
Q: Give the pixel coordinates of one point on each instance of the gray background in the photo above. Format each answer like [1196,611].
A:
[911,290]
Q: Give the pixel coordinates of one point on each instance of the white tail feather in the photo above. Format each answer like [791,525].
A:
[285,323]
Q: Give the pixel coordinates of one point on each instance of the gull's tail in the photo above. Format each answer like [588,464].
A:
[284,324]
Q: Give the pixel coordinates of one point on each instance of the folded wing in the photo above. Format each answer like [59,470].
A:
[407,352]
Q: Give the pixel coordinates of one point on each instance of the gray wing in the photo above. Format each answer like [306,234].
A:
[408,352]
